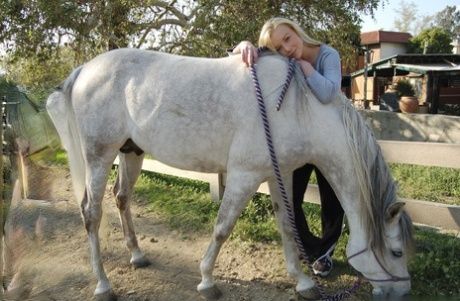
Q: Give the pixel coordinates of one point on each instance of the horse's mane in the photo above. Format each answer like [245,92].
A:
[377,187]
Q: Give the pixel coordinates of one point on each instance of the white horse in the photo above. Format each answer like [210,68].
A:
[201,114]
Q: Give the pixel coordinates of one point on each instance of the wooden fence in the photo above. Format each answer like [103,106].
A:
[419,153]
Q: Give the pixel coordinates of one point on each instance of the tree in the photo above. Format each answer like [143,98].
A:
[89,27]
[408,19]
[44,40]
[39,75]
[220,24]
[41,29]
[435,40]
[449,19]
[407,12]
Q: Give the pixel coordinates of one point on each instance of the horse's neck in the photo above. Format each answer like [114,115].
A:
[357,237]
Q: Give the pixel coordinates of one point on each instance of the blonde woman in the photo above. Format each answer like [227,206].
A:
[321,66]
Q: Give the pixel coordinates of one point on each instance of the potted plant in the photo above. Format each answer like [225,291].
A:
[408,103]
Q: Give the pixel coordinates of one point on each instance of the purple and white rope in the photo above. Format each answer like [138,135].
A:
[290,74]
[289,211]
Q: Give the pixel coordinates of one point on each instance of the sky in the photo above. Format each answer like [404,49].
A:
[385,16]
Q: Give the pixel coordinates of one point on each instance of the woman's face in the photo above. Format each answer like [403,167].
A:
[287,42]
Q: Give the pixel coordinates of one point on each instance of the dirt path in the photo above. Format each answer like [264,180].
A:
[51,249]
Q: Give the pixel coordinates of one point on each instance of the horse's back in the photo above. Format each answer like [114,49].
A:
[186,111]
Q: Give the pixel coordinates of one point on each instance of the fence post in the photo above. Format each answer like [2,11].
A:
[2,209]
[217,187]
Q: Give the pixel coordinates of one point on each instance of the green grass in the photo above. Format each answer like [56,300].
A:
[434,184]
[185,204]
[49,156]
[428,183]
[60,158]
[187,207]
[435,267]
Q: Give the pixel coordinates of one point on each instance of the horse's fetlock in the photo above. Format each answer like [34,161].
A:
[87,225]
[131,243]
[122,201]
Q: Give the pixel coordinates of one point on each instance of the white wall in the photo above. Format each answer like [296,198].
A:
[455,46]
[413,127]
[390,49]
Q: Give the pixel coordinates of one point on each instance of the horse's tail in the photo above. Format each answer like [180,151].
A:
[59,107]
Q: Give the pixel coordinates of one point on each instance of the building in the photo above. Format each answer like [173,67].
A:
[378,45]
[456,45]
[435,77]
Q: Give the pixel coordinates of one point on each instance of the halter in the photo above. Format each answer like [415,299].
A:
[346,293]
[393,278]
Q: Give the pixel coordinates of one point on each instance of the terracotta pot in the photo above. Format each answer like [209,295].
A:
[408,104]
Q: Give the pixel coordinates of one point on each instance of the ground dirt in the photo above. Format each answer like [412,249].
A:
[51,257]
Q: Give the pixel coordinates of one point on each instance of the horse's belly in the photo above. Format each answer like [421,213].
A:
[188,148]
[194,163]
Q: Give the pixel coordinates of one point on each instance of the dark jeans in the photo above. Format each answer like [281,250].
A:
[331,213]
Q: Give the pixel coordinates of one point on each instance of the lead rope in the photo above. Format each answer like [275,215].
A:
[271,148]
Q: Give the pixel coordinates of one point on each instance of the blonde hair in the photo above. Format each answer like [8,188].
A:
[273,23]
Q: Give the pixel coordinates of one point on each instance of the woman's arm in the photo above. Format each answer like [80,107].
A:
[325,86]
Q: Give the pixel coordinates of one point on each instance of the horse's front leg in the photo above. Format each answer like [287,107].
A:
[240,186]
[305,285]
[128,171]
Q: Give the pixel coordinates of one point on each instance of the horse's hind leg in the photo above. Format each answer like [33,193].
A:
[128,172]
[240,186]
[98,163]
[305,285]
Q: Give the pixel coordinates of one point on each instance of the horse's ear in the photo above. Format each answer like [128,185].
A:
[394,211]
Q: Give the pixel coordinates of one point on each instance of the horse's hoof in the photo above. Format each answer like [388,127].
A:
[310,294]
[17,294]
[141,263]
[211,293]
[107,296]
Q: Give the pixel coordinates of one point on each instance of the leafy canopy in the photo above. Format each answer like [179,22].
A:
[220,24]
[39,29]
[431,40]
[449,19]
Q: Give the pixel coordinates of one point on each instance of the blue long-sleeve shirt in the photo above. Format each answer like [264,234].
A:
[326,79]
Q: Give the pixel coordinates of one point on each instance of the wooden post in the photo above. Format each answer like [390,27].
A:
[435,95]
[2,209]
[23,149]
[217,187]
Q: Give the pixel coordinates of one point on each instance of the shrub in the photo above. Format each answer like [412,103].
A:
[404,88]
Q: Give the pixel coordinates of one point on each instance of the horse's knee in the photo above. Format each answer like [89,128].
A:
[221,233]
[91,213]
[85,211]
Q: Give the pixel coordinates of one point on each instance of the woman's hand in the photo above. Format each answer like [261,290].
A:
[248,52]
[307,68]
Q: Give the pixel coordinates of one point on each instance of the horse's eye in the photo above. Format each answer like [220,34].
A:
[397,253]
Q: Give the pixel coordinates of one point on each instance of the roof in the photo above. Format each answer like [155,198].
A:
[417,63]
[377,37]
